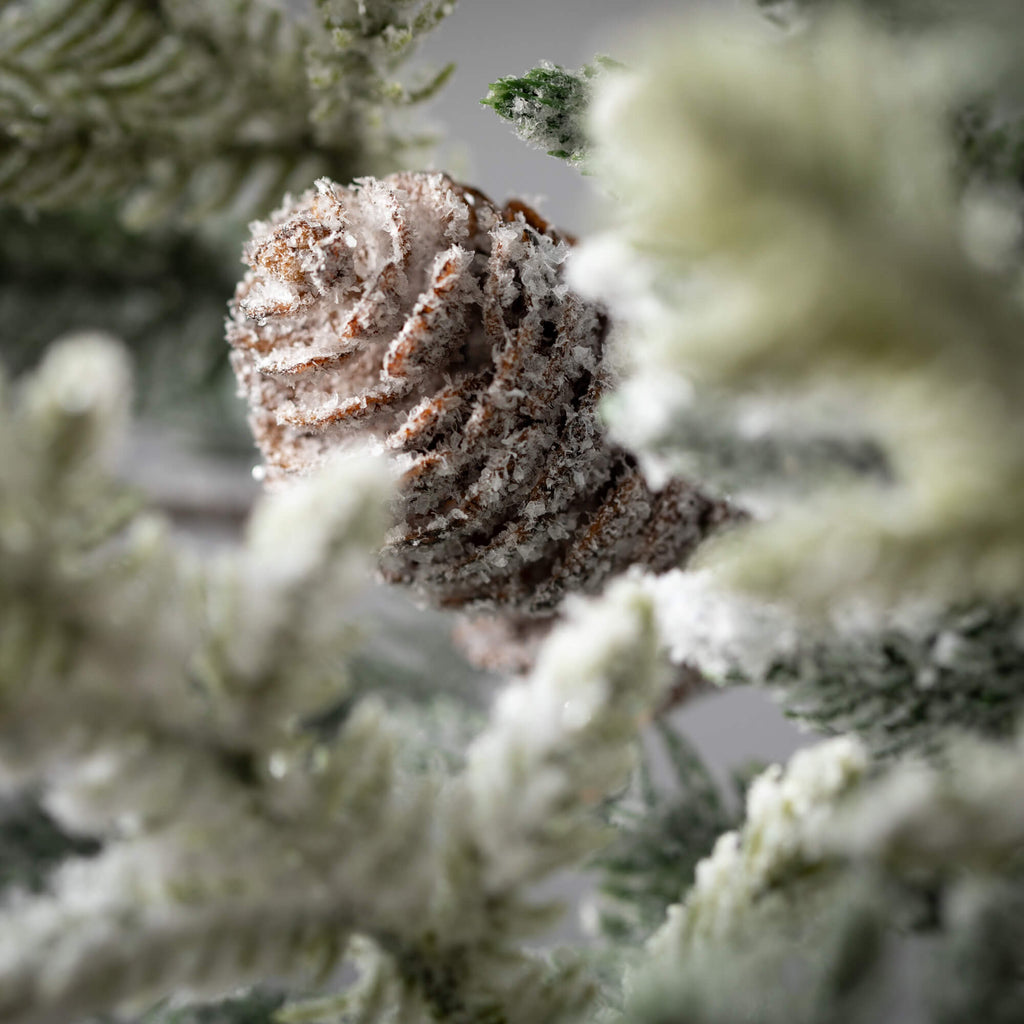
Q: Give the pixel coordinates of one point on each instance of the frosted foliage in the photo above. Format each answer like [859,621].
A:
[787,816]
[850,892]
[939,817]
[531,762]
[730,637]
[763,450]
[547,107]
[84,379]
[790,213]
[413,314]
[175,712]
[900,681]
[181,108]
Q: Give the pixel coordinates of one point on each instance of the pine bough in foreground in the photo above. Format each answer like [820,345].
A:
[168,710]
[828,220]
[897,523]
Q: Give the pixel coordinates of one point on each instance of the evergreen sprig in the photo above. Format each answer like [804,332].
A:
[901,684]
[847,116]
[663,829]
[838,874]
[547,107]
[174,709]
[191,109]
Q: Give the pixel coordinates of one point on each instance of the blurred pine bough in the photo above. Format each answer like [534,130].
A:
[814,258]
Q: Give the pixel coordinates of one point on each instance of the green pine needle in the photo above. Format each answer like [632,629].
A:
[547,107]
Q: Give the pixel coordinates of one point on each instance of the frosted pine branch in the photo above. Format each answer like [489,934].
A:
[781,839]
[564,737]
[940,817]
[197,109]
[664,827]
[837,874]
[238,840]
[161,292]
[900,681]
[762,452]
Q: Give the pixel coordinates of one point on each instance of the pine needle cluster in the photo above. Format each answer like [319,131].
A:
[547,107]
[183,109]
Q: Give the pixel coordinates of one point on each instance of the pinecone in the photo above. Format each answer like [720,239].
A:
[413,312]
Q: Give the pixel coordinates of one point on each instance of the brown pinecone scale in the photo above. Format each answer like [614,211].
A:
[412,312]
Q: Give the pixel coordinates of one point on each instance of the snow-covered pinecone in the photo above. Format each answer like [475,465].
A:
[415,312]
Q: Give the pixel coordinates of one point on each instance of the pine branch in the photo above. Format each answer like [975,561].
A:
[187,109]
[833,880]
[900,684]
[957,813]
[169,708]
[354,68]
[762,453]
[662,831]
[837,875]
[770,911]
[987,129]
[846,157]
[778,843]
